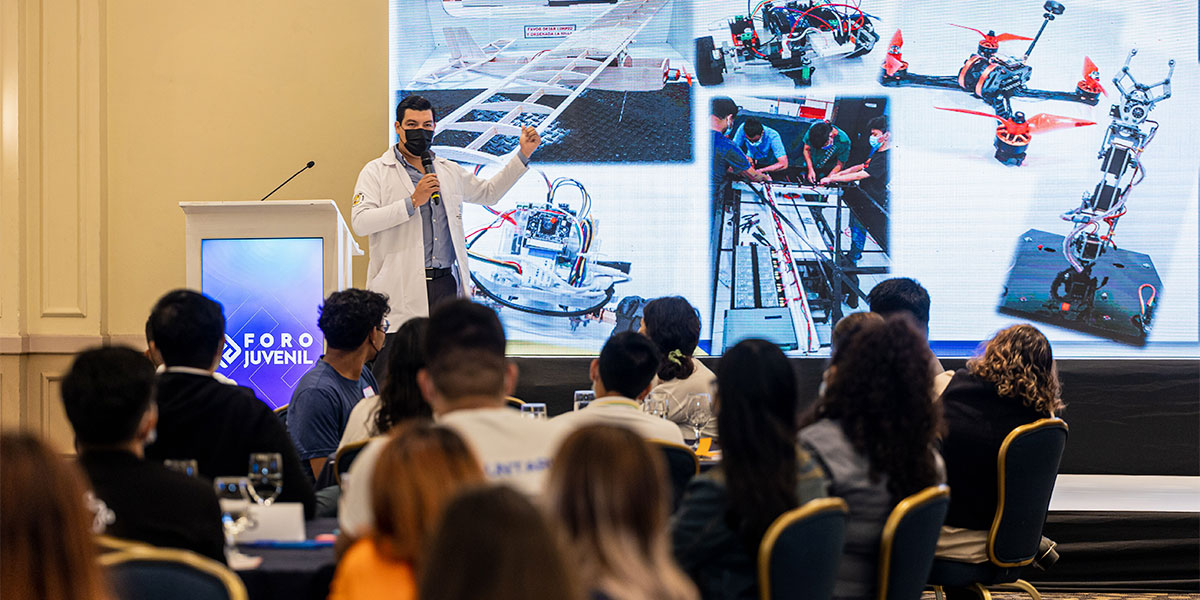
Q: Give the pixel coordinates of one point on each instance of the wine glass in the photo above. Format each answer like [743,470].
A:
[533,410]
[699,413]
[656,404]
[233,494]
[583,398]
[183,466]
[266,477]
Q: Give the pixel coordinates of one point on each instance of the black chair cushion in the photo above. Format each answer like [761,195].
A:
[952,573]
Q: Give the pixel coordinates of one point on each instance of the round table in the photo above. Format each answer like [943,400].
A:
[292,573]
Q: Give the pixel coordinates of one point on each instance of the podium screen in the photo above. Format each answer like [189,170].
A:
[270,290]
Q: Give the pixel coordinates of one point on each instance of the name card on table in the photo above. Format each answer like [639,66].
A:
[282,521]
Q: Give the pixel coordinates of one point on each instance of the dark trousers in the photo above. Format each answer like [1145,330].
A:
[436,291]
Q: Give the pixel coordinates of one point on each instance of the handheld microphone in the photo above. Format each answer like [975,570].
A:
[427,164]
[308,166]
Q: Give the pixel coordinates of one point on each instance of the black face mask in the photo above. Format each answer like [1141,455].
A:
[417,141]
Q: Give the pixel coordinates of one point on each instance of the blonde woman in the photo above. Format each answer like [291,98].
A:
[1011,383]
[609,490]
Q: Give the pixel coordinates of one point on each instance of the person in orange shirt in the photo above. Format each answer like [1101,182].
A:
[420,469]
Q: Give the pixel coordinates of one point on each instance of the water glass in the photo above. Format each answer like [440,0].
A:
[583,398]
[534,410]
[698,409]
[233,494]
[656,404]
[266,477]
[183,466]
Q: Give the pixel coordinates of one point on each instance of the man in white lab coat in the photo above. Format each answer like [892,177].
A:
[413,218]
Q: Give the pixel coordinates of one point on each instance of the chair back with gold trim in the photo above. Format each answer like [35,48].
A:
[1026,469]
[143,572]
[108,543]
[908,542]
[682,466]
[345,457]
[799,555]
[514,402]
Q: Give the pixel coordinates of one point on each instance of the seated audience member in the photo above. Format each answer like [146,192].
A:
[465,382]
[156,358]
[674,325]
[872,431]
[354,327]
[1014,382]
[846,327]
[47,550]
[849,325]
[493,543]
[200,418]
[609,490]
[419,469]
[621,378]
[107,396]
[906,297]
[400,397]
[763,473]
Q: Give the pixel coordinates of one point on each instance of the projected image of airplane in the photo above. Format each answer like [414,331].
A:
[536,87]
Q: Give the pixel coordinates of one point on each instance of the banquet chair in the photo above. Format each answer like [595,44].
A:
[108,543]
[682,466]
[908,542]
[345,457]
[144,572]
[514,402]
[1026,469]
[799,554]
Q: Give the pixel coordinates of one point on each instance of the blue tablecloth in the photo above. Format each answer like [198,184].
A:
[293,573]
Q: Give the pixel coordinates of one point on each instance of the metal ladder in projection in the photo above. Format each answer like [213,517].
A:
[565,71]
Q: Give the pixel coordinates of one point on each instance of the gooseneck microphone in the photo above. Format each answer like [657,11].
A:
[427,164]
[310,165]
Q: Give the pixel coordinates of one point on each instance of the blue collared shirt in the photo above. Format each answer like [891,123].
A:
[435,226]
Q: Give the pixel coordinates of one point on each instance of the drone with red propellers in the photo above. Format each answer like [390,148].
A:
[997,79]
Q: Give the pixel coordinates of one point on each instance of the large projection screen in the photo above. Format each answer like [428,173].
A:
[1076,211]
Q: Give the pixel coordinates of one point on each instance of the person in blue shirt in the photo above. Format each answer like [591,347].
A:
[727,159]
[762,145]
[354,326]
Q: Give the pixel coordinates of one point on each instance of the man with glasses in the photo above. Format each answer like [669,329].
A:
[354,325]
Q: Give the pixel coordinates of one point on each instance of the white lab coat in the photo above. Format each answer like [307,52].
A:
[395,240]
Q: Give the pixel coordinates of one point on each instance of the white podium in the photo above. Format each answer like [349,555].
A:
[270,264]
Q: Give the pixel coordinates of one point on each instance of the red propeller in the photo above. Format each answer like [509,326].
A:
[892,62]
[1091,77]
[1039,123]
[992,40]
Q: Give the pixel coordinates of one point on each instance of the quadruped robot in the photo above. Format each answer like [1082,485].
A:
[795,35]
[545,261]
[996,79]
[1083,280]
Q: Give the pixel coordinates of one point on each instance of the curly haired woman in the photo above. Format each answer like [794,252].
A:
[872,431]
[1013,382]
